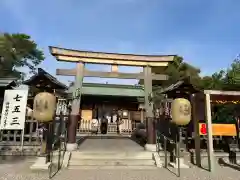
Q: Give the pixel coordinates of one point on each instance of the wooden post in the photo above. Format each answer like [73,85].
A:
[196,130]
[209,133]
[75,116]
[148,105]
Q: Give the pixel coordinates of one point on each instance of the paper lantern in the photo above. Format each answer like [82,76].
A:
[181,111]
[44,107]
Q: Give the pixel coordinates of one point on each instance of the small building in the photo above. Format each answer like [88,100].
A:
[42,81]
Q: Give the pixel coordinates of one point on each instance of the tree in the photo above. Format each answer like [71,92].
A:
[216,81]
[232,77]
[18,50]
[179,70]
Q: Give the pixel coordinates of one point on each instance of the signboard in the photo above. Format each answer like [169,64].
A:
[218,129]
[14,110]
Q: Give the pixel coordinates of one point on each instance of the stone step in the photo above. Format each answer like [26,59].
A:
[112,167]
[108,162]
[111,155]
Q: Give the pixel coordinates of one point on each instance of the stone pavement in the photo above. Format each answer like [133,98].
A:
[109,143]
[20,171]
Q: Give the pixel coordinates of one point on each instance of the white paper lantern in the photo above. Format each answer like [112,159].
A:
[44,107]
[181,111]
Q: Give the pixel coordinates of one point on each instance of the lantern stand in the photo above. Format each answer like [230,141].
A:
[181,115]
[44,111]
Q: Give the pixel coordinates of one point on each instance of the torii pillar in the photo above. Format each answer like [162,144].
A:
[150,126]
[75,114]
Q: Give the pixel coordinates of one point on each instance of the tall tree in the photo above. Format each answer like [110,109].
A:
[232,77]
[179,70]
[18,50]
[216,81]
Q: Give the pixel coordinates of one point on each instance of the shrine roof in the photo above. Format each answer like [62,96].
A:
[182,86]
[43,76]
[110,90]
[4,82]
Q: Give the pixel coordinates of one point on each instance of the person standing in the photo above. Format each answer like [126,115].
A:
[115,119]
[94,125]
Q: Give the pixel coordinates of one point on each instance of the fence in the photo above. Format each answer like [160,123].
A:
[11,140]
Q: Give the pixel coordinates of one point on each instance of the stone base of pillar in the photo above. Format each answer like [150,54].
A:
[182,164]
[150,147]
[71,147]
[157,160]
[151,136]
[40,164]
[72,128]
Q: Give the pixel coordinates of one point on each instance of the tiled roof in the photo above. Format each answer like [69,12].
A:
[48,76]
[7,81]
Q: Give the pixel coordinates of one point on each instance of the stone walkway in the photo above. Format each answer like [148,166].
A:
[21,171]
[107,143]
[18,168]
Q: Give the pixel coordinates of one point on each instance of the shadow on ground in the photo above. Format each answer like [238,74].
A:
[81,140]
[221,162]
[14,159]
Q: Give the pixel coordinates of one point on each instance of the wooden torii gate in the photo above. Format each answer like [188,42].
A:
[81,57]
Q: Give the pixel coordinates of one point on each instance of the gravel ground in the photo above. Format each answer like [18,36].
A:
[20,171]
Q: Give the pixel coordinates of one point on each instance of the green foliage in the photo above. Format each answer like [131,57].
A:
[232,78]
[216,81]
[224,113]
[179,70]
[228,79]
[18,50]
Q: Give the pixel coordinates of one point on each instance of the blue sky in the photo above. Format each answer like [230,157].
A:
[205,32]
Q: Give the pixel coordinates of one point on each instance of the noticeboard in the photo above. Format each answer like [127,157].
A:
[218,129]
[14,110]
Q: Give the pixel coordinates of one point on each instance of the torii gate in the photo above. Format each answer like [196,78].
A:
[148,62]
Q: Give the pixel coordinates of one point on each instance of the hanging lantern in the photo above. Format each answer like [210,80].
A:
[181,111]
[44,107]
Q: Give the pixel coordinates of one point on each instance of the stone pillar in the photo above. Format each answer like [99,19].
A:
[151,141]
[74,115]
[211,158]
[151,132]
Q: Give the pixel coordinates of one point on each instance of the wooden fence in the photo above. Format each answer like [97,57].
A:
[11,141]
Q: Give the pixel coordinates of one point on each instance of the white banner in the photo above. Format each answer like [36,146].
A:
[14,110]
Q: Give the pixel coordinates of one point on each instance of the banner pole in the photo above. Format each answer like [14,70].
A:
[22,139]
